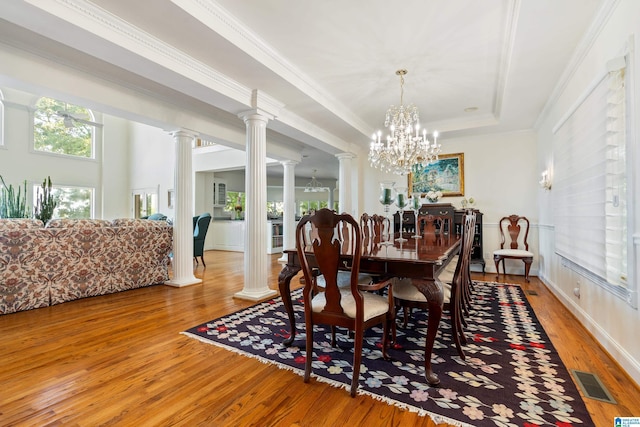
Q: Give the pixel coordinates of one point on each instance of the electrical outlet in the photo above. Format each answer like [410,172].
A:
[576,290]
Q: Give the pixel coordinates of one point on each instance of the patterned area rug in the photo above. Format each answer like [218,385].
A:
[512,375]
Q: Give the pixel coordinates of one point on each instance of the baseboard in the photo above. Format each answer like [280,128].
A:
[624,360]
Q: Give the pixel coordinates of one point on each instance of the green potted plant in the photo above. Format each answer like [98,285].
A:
[46,202]
[13,204]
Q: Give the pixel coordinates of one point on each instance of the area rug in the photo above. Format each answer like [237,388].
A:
[512,375]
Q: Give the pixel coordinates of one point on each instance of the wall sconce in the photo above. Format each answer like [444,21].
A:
[545,181]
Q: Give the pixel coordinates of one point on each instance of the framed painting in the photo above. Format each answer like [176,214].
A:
[445,175]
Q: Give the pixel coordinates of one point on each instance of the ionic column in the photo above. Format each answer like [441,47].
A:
[256,285]
[289,201]
[183,220]
[344,183]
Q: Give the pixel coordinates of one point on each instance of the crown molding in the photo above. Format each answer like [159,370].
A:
[95,20]
[508,41]
[596,27]
[218,19]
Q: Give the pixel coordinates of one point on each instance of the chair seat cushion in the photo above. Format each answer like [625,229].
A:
[404,290]
[374,305]
[513,252]
[344,279]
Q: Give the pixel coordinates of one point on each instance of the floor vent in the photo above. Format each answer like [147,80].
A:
[531,292]
[592,387]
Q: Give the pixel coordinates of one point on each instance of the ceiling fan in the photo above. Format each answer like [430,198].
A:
[70,119]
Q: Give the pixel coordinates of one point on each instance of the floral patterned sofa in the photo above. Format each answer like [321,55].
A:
[72,259]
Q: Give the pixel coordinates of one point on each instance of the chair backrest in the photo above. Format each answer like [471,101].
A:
[434,224]
[516,227]
[201,225]
[326,251]
[462,272]
[381,225]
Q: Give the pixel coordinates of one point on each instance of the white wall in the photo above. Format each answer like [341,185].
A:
[498,174]
[152,162]
[611,320]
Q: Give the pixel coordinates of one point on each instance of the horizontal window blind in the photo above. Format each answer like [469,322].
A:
[590,181]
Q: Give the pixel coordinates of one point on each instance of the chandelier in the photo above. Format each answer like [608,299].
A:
[405,146]
[314,186]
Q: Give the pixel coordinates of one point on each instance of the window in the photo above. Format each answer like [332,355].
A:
[590,182]
[1,119]
[73,202]
[62,128]
[307,206]
[234,199]
[145,202]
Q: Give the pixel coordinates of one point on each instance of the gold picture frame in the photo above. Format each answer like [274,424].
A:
[445,174]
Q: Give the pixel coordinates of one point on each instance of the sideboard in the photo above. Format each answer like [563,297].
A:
[408,225]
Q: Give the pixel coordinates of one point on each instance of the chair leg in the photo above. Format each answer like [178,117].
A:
[527,267]
[309,344]
[406,311]
[357,357]
[456,325]
[202,258]
[195,258]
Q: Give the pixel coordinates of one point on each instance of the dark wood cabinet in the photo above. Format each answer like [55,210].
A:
[409,219]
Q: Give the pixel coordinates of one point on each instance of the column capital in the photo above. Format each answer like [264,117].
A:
[178,133]
[289,162]
[342,156]
[255,114]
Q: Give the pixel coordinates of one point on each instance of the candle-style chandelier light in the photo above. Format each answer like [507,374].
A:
[405,146]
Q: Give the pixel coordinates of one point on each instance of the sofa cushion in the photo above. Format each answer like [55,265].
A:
[78,223]
[19,224]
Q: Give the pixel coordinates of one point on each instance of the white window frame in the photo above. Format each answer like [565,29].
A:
[2,112]
[94,135]
[92,190]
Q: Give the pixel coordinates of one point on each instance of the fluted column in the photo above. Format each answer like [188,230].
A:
[289,201]
[344,183]
[256,285]
[183,221]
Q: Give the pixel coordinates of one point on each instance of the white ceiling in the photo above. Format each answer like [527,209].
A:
[327,66]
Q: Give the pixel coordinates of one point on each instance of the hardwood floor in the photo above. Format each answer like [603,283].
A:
[120,360]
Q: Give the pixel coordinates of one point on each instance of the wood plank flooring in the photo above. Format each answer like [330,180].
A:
[120,360]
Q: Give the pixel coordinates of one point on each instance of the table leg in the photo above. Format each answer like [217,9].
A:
[284,286]
[432,290]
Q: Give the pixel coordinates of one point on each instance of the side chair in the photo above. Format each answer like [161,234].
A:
[349,307]
[517,228]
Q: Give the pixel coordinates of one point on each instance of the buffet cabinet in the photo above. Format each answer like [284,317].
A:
[445,209]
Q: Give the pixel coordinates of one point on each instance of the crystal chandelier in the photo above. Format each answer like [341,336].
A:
[405,146]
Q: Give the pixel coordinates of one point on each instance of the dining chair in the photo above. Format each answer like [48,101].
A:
[407,296]
[517,228]
[349,307]
[434,224]
[344,276]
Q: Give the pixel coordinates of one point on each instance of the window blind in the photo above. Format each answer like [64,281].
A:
[590,181]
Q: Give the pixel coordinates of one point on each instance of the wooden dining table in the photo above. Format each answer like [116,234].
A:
[418,258]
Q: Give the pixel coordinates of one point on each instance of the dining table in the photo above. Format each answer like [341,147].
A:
[419,259]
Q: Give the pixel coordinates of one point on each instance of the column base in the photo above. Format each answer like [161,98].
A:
[177,283]
[256,295]
[283,259]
